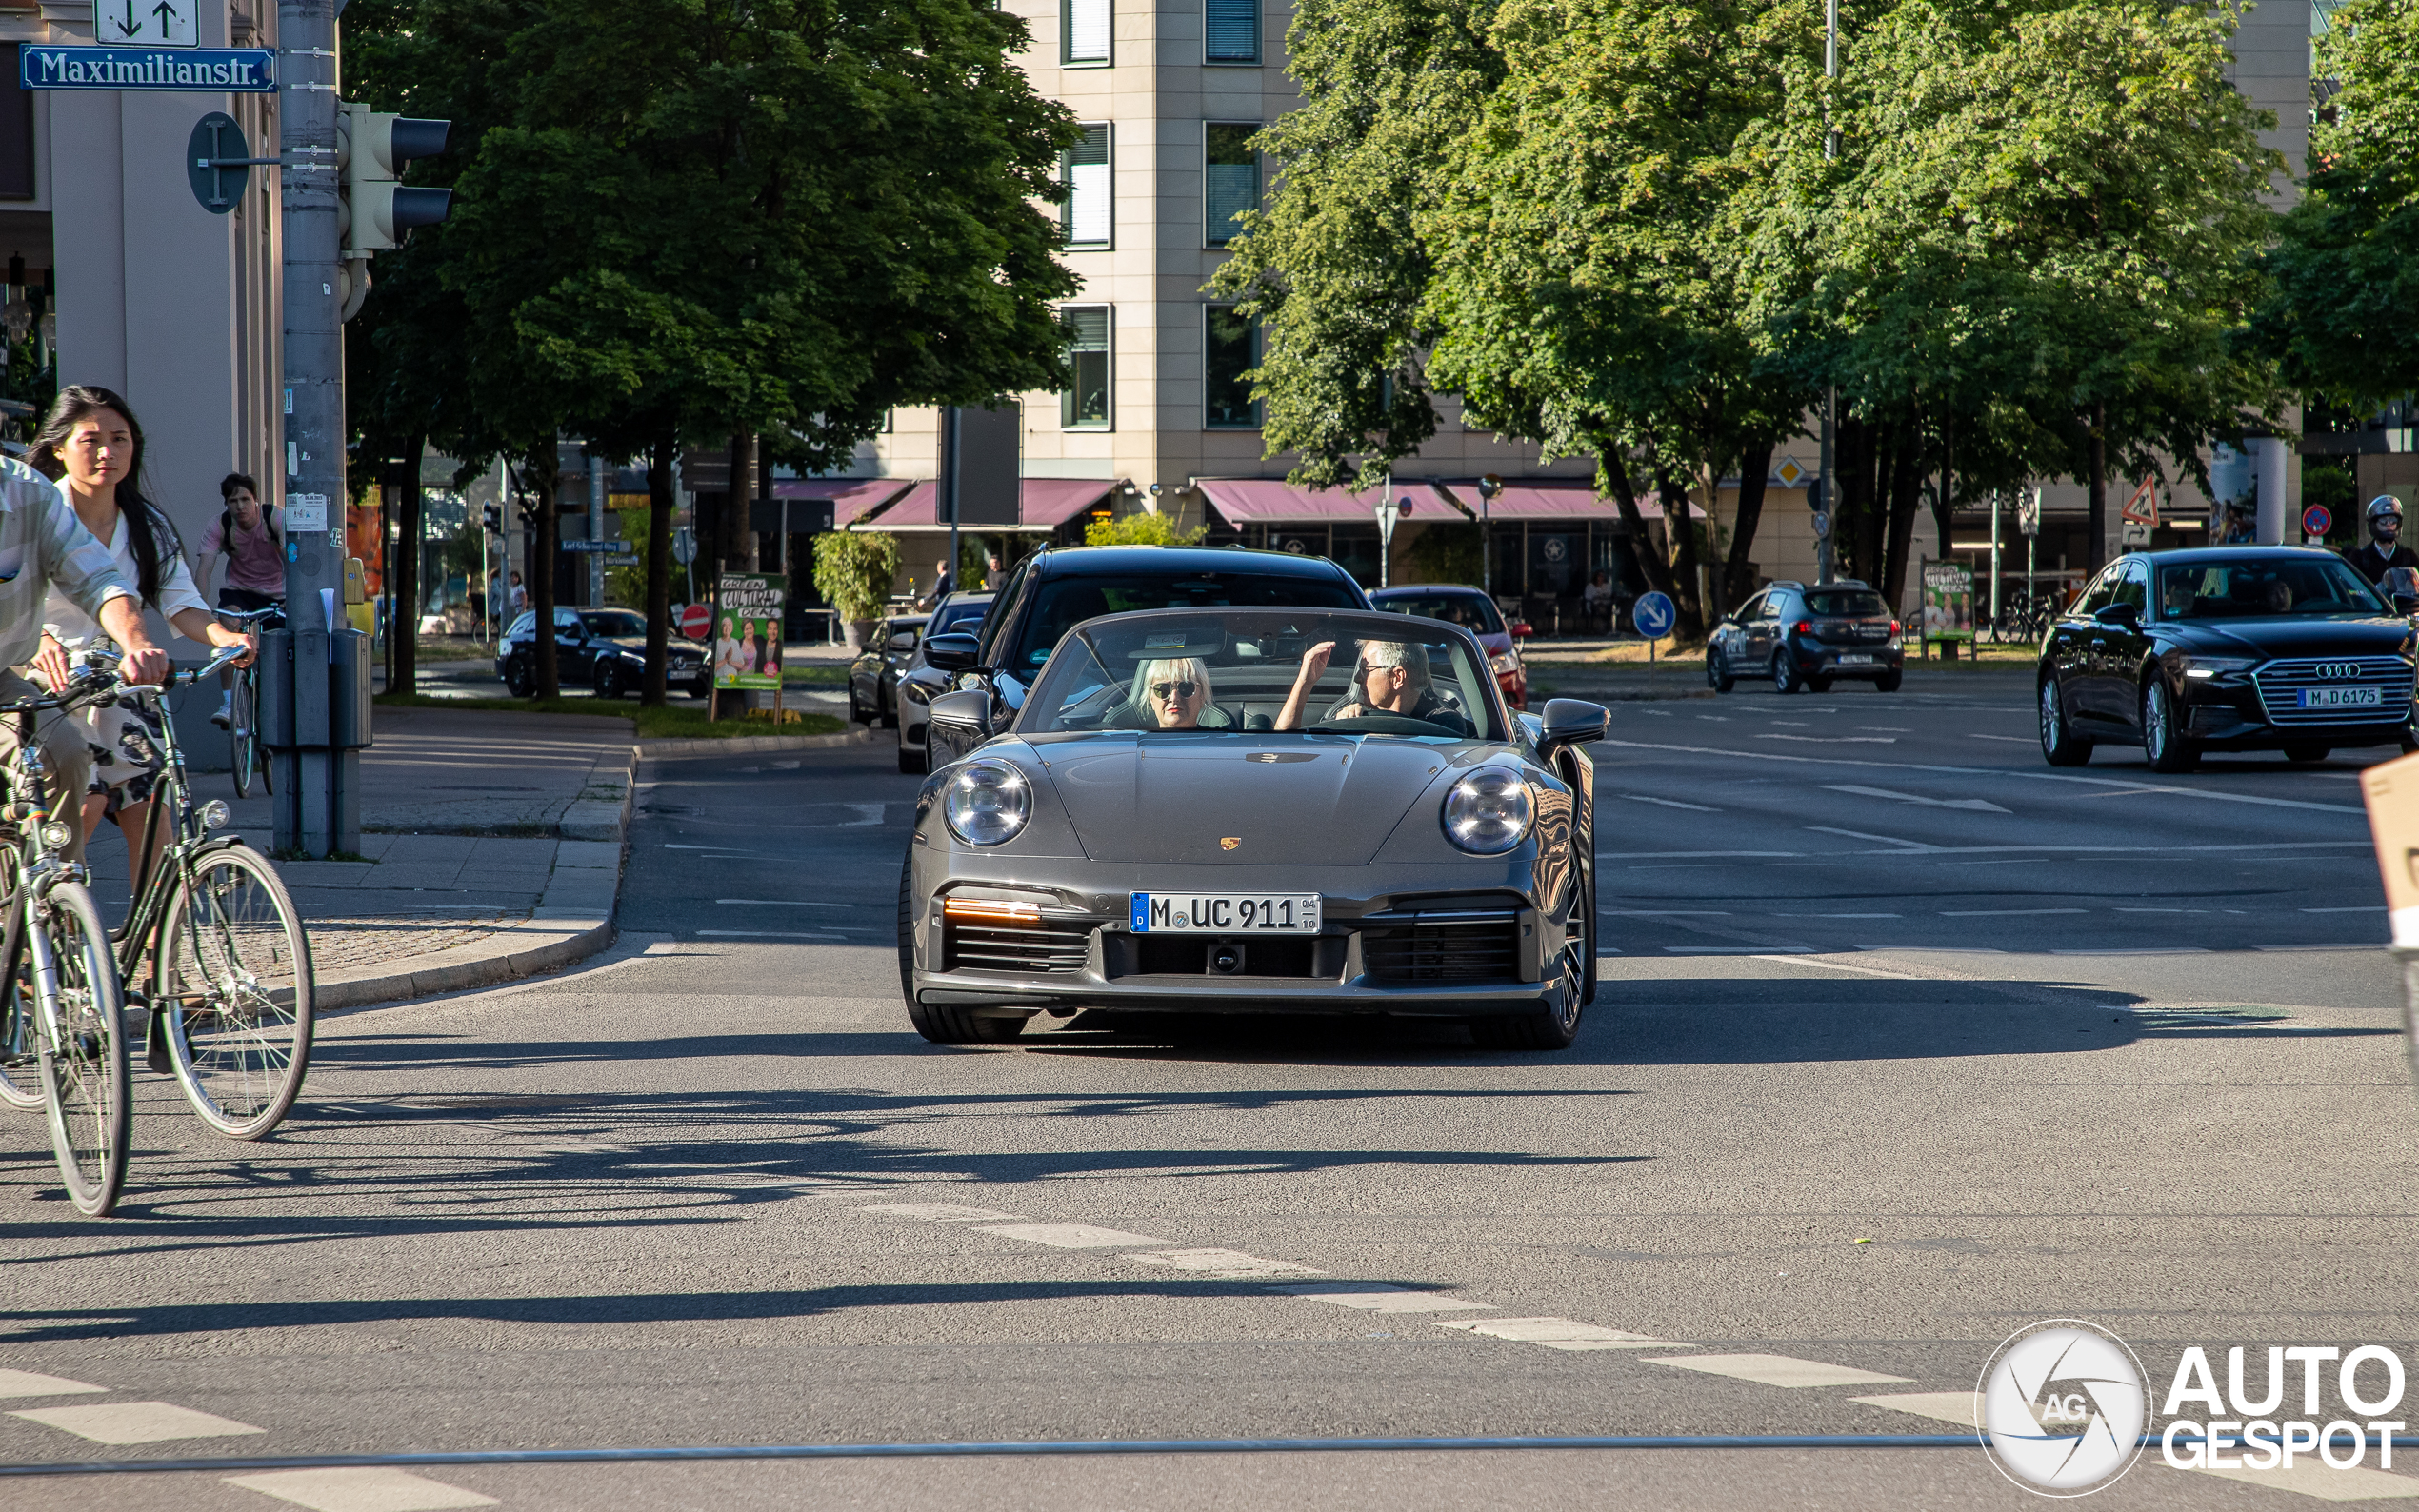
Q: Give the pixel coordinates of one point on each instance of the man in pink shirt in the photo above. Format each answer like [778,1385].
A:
[252,540]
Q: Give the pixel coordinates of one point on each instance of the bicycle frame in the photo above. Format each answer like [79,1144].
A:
[149,910]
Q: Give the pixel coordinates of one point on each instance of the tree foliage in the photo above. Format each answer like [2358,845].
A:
[854,569]
[1142,530]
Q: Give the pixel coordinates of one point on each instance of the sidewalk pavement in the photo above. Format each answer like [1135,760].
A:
[490,850]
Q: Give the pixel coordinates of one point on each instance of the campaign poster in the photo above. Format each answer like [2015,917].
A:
[747,629]
[1948,602]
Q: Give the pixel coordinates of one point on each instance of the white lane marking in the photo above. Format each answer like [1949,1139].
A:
[1683,855]
[1222,1264]
[2323,1482]
[2002,913]
[360,1488]
[1834,965]
[1665,913]
[35,1384]
[2370,944]
[2213,795]
[1759,950]
[1977,805]
[870,814]
[1670,802]
[1779,1370]
[2166,910]
[1894,729]
[937,1212]
[137,1422]
[2122,792]
[1075,1236]
[2365,907]
[2021,740]
[1838,916]
[1793,724]
[1718,719]
[1558,1333]
[1964,1408]
[1887,840]
[2140,950]
[1369,1296]
[783,903]
[767,934]
[1835,740]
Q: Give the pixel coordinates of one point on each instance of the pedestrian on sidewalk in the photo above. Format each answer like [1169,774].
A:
[252,540]
[91,443]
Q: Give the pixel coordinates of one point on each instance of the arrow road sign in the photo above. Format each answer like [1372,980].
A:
[1653,615]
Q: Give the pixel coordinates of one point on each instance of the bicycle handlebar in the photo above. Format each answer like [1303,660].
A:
[247,616]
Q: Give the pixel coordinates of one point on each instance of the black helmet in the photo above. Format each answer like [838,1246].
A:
[2384,503]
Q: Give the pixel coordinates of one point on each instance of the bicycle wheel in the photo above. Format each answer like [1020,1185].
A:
[232,984]
[20,1021]
[84,1065]
[243,739]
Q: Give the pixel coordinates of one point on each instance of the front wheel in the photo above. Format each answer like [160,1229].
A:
[2059,746]
[20,1020]
[83,1081]
[939,1023]
[232,984]
[243,739]
[2162,743]
[519,680]
[607,681]
[1556,1023]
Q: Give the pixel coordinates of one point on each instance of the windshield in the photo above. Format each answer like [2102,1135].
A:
[1835,604]
[957,616]
[1065,602]
[2263,587]
[1245,672]
[1470,610]
[614,622]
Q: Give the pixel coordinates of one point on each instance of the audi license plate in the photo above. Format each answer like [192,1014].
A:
[2342,697]
[1855,659]
[1225,912]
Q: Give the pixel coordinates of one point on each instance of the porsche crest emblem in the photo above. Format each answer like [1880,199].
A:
[1229,841]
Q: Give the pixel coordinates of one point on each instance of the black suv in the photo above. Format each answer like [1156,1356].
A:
[1806,637]
[1052,591]
[603,648]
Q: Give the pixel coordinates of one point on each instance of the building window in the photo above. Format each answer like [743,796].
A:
[1085,406]
[1231,30]
[1229,178]
[1229,348]
[1083,27]
[1085,171]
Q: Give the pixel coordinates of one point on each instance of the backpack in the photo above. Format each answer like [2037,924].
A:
[226,532]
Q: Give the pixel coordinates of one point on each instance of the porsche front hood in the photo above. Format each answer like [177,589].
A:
[1280,800]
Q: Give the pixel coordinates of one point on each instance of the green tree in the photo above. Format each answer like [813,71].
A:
[1142,530]
[854,569]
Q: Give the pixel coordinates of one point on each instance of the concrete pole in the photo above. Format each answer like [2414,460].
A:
[595,530]
[2268,459]
[316,810]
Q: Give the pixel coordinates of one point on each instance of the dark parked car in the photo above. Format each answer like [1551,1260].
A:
[1240,811]
[1473,611]
[874,677]
[920,682]
[2280,648]
[603,649]
[1050,592]
[1805,637]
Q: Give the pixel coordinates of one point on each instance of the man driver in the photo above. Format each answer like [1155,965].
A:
[2383,551]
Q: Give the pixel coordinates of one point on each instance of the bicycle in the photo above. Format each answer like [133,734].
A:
[230,988]
[243,704]
[62,1009]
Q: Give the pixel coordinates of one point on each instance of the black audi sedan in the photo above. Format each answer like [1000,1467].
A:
[2225,649]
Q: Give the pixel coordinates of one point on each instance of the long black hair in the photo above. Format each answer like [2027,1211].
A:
[151,532]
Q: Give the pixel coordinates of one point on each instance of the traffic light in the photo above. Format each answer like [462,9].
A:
[375,211]
[495,519]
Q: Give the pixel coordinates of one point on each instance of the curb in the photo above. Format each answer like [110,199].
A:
[573,920]
[604,816]
[748,745]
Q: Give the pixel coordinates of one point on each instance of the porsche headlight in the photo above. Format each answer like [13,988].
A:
[1488,812]
[988,803]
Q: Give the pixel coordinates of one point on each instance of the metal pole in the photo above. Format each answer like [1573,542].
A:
[1824,555]
[313,781]
[1994,564]
[950,482]
[595,527]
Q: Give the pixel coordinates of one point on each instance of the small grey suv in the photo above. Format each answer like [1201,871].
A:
[1805,637]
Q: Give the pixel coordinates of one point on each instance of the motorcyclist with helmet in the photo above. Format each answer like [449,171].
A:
[2383,551]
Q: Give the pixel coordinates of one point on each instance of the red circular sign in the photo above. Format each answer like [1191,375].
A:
[695,621]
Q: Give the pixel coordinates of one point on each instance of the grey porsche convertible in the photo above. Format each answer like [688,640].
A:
[1241,810]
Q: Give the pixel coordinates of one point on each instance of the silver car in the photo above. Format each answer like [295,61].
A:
[1246,810]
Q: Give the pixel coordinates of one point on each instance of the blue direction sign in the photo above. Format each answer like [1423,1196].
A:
[210,71]
[1653,615]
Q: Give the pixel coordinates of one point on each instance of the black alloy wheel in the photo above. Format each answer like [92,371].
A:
[608,679]
[2166,746]
[2059,744]
[1785,678]
[520,679]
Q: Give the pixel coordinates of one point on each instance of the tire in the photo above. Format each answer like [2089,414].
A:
[1717,672]
[85,1078]
[20,1021]
[520,680]
[2307,751]
[939,1023]
[2059,746]
[1785,678]
[856,711]
[1549,1029]
[913,763]
[889,705]
[231,988]
[2167,751]
[1818,684]
[1888,681]
[243,739]
[607,681]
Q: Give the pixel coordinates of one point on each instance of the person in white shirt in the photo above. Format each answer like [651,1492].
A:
[92,446]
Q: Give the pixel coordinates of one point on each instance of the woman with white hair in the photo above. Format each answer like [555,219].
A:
[1174,691]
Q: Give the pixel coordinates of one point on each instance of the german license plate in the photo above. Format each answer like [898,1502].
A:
[1856,659]
[1223,912]
[2342,697]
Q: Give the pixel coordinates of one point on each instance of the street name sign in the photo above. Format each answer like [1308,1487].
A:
[210,71]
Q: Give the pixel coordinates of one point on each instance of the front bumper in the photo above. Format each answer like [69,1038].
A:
[2226,713]
[1393,939]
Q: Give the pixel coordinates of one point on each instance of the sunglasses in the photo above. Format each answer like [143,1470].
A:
[1181,689]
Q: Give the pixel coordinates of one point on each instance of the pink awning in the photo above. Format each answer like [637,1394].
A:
[1553,499]
[1273,500]
[851,498]
[1044,505]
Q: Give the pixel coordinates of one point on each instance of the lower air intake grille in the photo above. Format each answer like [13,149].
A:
[2282,686]
[1460,950]
[1053,947]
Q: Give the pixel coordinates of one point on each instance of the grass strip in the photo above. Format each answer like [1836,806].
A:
[650,723]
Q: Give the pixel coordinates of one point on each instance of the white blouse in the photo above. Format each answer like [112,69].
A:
[75,629]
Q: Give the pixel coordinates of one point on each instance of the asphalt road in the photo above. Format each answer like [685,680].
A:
[2089,1043]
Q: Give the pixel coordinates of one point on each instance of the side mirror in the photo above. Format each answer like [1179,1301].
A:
[951,653]
[2119,614]
[1573,721]
[966,713]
